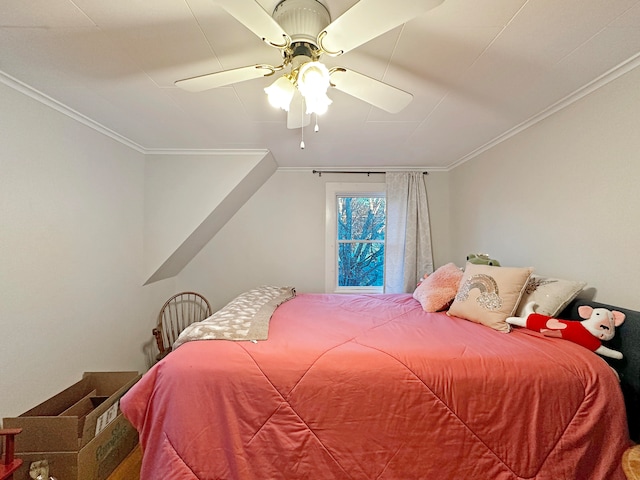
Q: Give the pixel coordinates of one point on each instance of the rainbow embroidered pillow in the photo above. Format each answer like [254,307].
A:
[488,295]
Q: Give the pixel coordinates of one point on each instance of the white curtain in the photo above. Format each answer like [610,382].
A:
[408,254]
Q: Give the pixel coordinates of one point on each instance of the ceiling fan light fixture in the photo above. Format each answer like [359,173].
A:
[313,83]
[303,20]
[280,93]
[317,104]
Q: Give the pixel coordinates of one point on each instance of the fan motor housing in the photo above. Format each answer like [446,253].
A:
[303,20]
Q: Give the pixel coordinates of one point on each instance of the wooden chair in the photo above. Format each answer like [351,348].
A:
[176,314]
[9,464]
[631,463]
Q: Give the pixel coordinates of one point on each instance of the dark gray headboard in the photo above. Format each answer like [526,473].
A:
[627,341]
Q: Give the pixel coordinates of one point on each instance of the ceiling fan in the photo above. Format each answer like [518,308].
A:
[303,31]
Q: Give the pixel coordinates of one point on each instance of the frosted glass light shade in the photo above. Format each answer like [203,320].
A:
[280,93]
[317,104]
[313,82]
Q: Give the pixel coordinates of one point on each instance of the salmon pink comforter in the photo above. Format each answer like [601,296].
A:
[372,387]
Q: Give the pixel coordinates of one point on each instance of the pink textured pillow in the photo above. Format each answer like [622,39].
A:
[437,291]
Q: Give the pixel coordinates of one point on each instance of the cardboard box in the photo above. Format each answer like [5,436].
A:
[80,432]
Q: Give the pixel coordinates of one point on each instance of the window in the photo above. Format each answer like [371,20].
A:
[355,229]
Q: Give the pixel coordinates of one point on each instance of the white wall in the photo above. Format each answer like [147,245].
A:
[189,197]
[71,263]
[562,196]
[277,237]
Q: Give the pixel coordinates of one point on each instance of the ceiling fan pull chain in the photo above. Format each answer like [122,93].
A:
[316,128]
[302,126]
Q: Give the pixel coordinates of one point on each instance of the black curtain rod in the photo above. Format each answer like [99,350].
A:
[320,172]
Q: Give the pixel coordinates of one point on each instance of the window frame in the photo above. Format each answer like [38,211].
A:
[333,191]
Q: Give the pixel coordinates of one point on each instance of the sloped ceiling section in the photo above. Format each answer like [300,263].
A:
[189,198]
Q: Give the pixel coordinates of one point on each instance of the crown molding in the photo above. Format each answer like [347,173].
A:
[45,99]
[609,76]
[31,92]
[207,151]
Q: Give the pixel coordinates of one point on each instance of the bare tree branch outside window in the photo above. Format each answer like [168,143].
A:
[361,227]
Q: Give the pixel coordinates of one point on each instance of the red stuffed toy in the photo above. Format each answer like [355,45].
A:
[598,324]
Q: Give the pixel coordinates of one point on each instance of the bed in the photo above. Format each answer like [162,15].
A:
[374,387]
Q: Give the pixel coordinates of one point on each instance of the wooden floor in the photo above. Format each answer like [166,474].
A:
[129,469]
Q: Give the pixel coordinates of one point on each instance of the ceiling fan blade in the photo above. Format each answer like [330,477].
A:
[369,19]
[370,90]
[297,116]
[226,77]
[256,19]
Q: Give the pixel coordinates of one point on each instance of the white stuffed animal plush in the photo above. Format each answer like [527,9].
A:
[39,470]
[599,324]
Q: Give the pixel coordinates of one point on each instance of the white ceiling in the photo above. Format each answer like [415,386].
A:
[478,70]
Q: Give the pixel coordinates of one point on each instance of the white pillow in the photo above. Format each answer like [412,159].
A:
[551,295]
